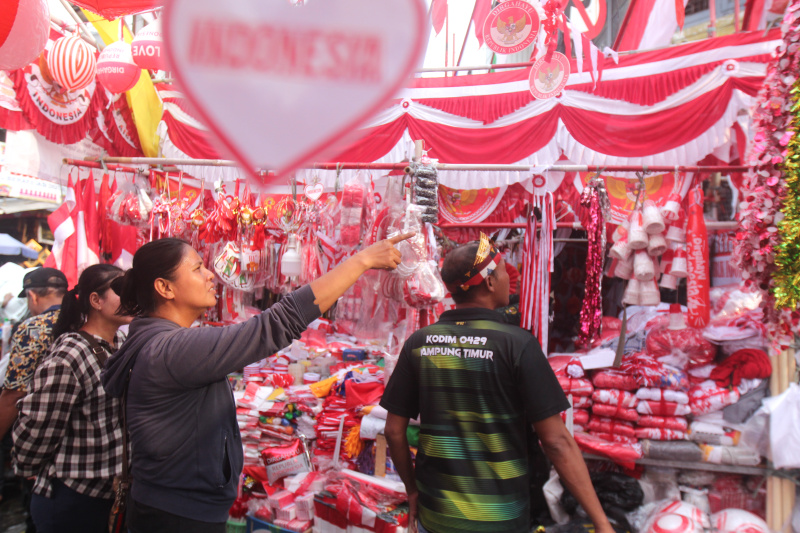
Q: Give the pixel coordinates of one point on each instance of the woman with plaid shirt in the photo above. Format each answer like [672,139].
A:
[69,433]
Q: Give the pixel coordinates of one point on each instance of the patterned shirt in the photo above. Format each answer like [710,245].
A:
[68,428]
[476,384]
[28,345]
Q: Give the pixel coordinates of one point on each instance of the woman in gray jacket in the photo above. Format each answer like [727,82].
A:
[187,451]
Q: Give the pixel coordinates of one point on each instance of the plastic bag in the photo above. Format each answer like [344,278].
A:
[618,494]
[785,437]
[682,348]
[672,450]
[698,519]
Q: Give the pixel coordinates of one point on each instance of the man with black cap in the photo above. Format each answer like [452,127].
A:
[44,289]
[476,382]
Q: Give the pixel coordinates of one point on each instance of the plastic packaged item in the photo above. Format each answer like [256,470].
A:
[675,423]
[738,521]
[281,461]
[683,348]
[680,508]
[707,397]
[567,365]
[614,379]
[622,453]
[610,425]
[576,387]
[615,411]
[730,455]
[614,397]
[618,495]
[671,450]
[658,395]
[662,408]
[659,434]
[713,434]
[614,437]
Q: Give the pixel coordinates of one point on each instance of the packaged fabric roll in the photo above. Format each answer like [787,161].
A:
[676,423]
[615,411]
[566,365]
[581,402]
[610,425]
[730,455]
[281,461]
[620,452]
[658,395]
[576,387]
[672,450]
[708,397]
[614,437]
[614,379]
[648,407]
[580,417]
[713,434]
[614,397]
[660,434]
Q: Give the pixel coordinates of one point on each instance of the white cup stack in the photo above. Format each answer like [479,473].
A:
[672,208]
[680,266]
[668,281]
[643,267]
[637,236]
[620,249]
[632,293]
[649,295]
[653,222]
[624,269]
[657,245]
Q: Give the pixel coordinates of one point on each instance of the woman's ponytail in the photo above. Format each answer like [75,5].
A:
[71,315]
[76,305]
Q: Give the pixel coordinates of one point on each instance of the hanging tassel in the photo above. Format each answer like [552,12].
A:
[594,216]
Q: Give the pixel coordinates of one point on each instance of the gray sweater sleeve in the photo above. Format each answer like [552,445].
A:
[196,357]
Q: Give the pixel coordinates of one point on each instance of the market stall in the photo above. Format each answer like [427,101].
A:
[668,391]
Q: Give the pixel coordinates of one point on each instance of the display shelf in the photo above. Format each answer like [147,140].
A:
[710,467]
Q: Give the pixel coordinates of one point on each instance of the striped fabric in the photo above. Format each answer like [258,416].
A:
[72,63]
[476,383]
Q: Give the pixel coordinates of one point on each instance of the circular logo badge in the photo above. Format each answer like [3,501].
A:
[547,79]
[511,26]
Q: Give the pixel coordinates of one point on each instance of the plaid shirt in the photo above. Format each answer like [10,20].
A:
[68,428]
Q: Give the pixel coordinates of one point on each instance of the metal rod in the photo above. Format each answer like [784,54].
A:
[736,10]
[155,161]
[712,22]
[99,165]
[711,225]
[81,24]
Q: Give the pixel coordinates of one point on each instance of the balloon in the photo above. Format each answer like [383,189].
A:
[24,28]
[697,291]
[116,70]
[72,63]
[147,46]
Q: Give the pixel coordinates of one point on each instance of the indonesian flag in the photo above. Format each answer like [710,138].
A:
[438,14]
[64,255]
[91,223]
[85,256]
[650,24]
[124,244]
[479,14]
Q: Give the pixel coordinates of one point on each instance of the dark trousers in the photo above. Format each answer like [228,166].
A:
[145,519]
[26,486]
[68,511]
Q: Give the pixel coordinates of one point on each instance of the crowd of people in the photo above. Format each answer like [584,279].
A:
[77,389]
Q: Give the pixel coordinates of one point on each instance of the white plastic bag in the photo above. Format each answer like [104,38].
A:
[784,431]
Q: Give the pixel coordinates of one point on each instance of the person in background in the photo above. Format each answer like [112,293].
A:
[69,432]
[476,384]
[187,450]
[44,288]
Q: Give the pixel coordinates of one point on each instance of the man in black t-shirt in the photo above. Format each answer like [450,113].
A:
[476,382]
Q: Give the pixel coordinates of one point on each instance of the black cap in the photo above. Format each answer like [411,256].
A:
[42,278]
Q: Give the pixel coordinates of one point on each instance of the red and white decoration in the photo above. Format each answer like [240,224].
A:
[665,107]
[316,104]
[147,47]
[72,63]
[24,27]
[511,26]
[549,77]
[112,9]
[116,70]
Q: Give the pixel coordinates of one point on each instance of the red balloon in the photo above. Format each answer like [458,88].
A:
[111,9]
[147,47]
[116,70]
[24,28]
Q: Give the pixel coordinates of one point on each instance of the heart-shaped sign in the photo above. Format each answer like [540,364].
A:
[313,192]
[280,84]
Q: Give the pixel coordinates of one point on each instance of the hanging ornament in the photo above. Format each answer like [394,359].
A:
[511,27]
[116,70]
[24,28]
[697,285]
[146,47]
[595,214]
[548,77]
[72,63]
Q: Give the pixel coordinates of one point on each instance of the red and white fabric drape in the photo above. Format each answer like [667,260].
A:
[537,267]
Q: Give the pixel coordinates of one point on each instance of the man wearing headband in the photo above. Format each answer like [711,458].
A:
[476,383]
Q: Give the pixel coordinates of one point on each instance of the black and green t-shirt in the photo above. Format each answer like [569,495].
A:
[475,382]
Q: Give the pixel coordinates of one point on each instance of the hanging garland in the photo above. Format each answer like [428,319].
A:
[594,216]
[765,187]
[787,279]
